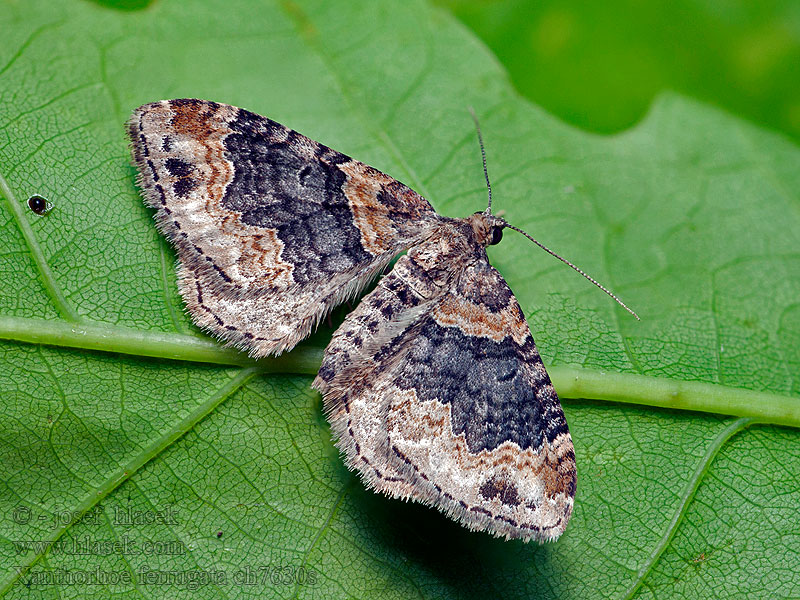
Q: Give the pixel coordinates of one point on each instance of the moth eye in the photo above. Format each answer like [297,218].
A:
[497,235]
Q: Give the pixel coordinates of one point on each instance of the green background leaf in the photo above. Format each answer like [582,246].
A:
[691,216]
[598,65]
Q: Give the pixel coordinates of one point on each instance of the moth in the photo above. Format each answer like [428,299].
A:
[433,385]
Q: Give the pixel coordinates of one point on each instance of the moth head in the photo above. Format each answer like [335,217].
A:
[488,228]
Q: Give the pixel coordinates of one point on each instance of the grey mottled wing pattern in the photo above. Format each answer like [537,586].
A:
[435,392]
[272,229]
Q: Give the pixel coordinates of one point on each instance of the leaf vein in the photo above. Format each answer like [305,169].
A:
[688,494]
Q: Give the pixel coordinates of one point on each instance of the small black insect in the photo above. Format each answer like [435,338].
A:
[39,205]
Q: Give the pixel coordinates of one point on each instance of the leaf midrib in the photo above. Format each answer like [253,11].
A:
[570,382]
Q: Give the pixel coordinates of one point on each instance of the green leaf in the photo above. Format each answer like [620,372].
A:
[198,473]
[599,64]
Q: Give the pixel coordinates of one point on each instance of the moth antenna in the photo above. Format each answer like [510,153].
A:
[566,262]
[531,238]
[483,156]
